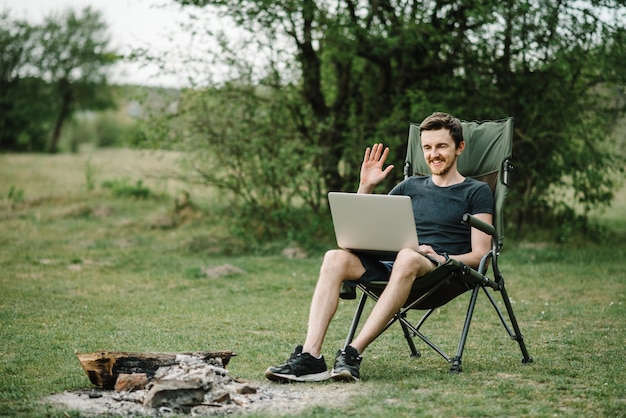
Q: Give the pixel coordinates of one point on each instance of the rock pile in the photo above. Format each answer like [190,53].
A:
[185,383]
[189,383]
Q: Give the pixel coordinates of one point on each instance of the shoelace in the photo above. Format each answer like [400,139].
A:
[350,359]
[292,358]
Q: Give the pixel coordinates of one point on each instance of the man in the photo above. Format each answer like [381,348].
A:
[441,200]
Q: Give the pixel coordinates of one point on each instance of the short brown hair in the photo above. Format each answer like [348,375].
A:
[440,120]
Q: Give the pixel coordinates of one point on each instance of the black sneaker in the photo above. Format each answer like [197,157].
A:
[300,367]
[347,365]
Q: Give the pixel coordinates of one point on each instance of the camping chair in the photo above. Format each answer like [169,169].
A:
[487,157]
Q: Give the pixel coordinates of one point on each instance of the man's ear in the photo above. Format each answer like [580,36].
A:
[460,148]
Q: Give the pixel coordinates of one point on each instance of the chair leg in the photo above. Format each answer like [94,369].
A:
[498,312]
[410,331]
[518,333]
[409,339]
[355,320]
[456,361]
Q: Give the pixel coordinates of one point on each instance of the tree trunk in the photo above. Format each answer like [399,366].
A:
[64,112]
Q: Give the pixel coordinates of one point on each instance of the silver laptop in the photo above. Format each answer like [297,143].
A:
[373,223]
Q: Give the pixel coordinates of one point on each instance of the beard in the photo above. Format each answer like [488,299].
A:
[441,169]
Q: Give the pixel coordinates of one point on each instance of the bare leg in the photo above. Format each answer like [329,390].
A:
[408,265]
[338,265]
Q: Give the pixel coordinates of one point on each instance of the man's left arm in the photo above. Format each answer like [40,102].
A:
[481,243]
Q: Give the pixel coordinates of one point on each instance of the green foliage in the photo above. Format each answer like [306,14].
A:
[126,188]
[111,131]
[13,197]
[361,73]
[48,72]
[103,129]
[79,77]
[242,141]
[266,231]
[78,132]
[24,112]
[90,175]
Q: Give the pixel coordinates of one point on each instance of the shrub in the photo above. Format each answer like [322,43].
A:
[124,188]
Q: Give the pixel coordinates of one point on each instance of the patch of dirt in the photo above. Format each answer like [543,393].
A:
[223,270]
[269,398]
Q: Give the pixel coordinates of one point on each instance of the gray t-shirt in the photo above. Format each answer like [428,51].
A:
[438,211]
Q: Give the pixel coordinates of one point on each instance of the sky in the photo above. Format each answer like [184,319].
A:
[132,24]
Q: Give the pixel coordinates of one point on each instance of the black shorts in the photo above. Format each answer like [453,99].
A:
[375,269]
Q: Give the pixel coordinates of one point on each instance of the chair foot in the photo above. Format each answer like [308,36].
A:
[527,360]
[456,366]
[417,354]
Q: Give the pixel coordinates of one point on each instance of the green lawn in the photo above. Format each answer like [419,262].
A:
[83,270]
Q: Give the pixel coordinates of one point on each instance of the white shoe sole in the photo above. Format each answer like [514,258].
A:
[343,376]
[279,377]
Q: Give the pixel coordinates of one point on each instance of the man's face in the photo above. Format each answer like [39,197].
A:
[440,151]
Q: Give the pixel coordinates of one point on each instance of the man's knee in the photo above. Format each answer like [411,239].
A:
[336,259]
[408,256]
[411,263]
[342,263]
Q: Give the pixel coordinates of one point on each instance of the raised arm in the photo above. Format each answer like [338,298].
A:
[372,171]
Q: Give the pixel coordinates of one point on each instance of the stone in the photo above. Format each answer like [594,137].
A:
[131,382]
[174,394]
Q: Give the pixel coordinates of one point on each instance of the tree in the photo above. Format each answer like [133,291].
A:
[366,69]
[559,76]
[73,55]
[49,71]
[21,92]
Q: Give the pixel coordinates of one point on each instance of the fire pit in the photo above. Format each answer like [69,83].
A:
[195,383]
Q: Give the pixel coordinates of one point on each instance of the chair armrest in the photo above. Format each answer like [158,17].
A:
[477,223]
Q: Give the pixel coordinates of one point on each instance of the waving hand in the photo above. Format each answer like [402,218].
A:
[372,171]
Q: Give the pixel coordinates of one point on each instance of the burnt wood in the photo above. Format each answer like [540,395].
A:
[103,367]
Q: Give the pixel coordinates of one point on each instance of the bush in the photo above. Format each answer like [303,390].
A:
[112,131]
[124,188]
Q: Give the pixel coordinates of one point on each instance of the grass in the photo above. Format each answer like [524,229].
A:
[83,270]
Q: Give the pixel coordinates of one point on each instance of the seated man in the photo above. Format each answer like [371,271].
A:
[441,200]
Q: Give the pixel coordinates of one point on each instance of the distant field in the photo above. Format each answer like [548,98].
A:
[40,175]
